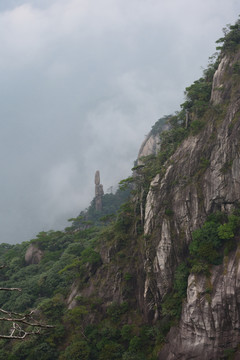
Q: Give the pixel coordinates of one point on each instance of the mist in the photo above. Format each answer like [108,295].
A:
[82,83]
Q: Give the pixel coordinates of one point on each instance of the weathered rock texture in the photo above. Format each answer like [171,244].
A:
[150,145]
[202,177]
[33,255]
[72,297]
[210,319]
[98,192]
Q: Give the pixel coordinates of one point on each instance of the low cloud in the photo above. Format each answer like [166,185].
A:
[82,82]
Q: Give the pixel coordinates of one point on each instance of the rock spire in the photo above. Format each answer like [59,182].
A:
[98,192]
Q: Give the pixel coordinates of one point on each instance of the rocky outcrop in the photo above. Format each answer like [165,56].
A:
[200,178]
[210,320]
[223,79]
[33,255]
[150,146]
[98,192]
[72,297]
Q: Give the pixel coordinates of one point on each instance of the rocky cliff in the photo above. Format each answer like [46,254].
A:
[201,178]
[147,266]
[151,144]
[210,323]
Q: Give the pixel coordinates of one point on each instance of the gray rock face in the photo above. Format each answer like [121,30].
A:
[210,319]
[71,300]
[218,81]
[201,177]
[149,146]
[97,177]
[33,255]
[98,192]
[221,88]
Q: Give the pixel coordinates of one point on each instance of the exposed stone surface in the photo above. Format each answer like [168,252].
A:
[33,255]
[97,177]
[210,319]
[98,192]
[221,89]
[201,177]
[150,145]
[74,293]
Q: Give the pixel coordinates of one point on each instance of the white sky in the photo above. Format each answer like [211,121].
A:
[81,84]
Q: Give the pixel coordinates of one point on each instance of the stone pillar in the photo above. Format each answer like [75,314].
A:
[98,192]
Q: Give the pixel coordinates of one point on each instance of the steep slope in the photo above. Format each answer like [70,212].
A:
[151,144]
[202,178]
[199,179]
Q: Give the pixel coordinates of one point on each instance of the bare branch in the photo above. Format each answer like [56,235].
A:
[25,319]
[14,337]
[10,289]
[25,322]
[13,313]
[20,333]
[20,321]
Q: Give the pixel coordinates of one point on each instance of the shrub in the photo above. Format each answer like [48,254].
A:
[205,239]
[180,279]
[75,315]
[52,308]
[90,256]
[172,305]
[111,350]
[196,126]
[199,267]
[133,356]
[207,244]
[116,310]
[126,332]
[231,39]
[76,350]
[135,344]
[228,230]
[127,276]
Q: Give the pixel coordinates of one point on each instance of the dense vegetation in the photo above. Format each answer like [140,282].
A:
[69,256]
[214,240]
[91,329]
[230,41]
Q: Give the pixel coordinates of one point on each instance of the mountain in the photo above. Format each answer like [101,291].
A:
[160,279]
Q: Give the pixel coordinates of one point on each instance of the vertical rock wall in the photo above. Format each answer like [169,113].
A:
[203,176]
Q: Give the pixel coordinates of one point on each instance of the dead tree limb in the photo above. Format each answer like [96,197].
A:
[20,322]
[10,289]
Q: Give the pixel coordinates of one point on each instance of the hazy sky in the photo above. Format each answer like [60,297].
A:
[81,84]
